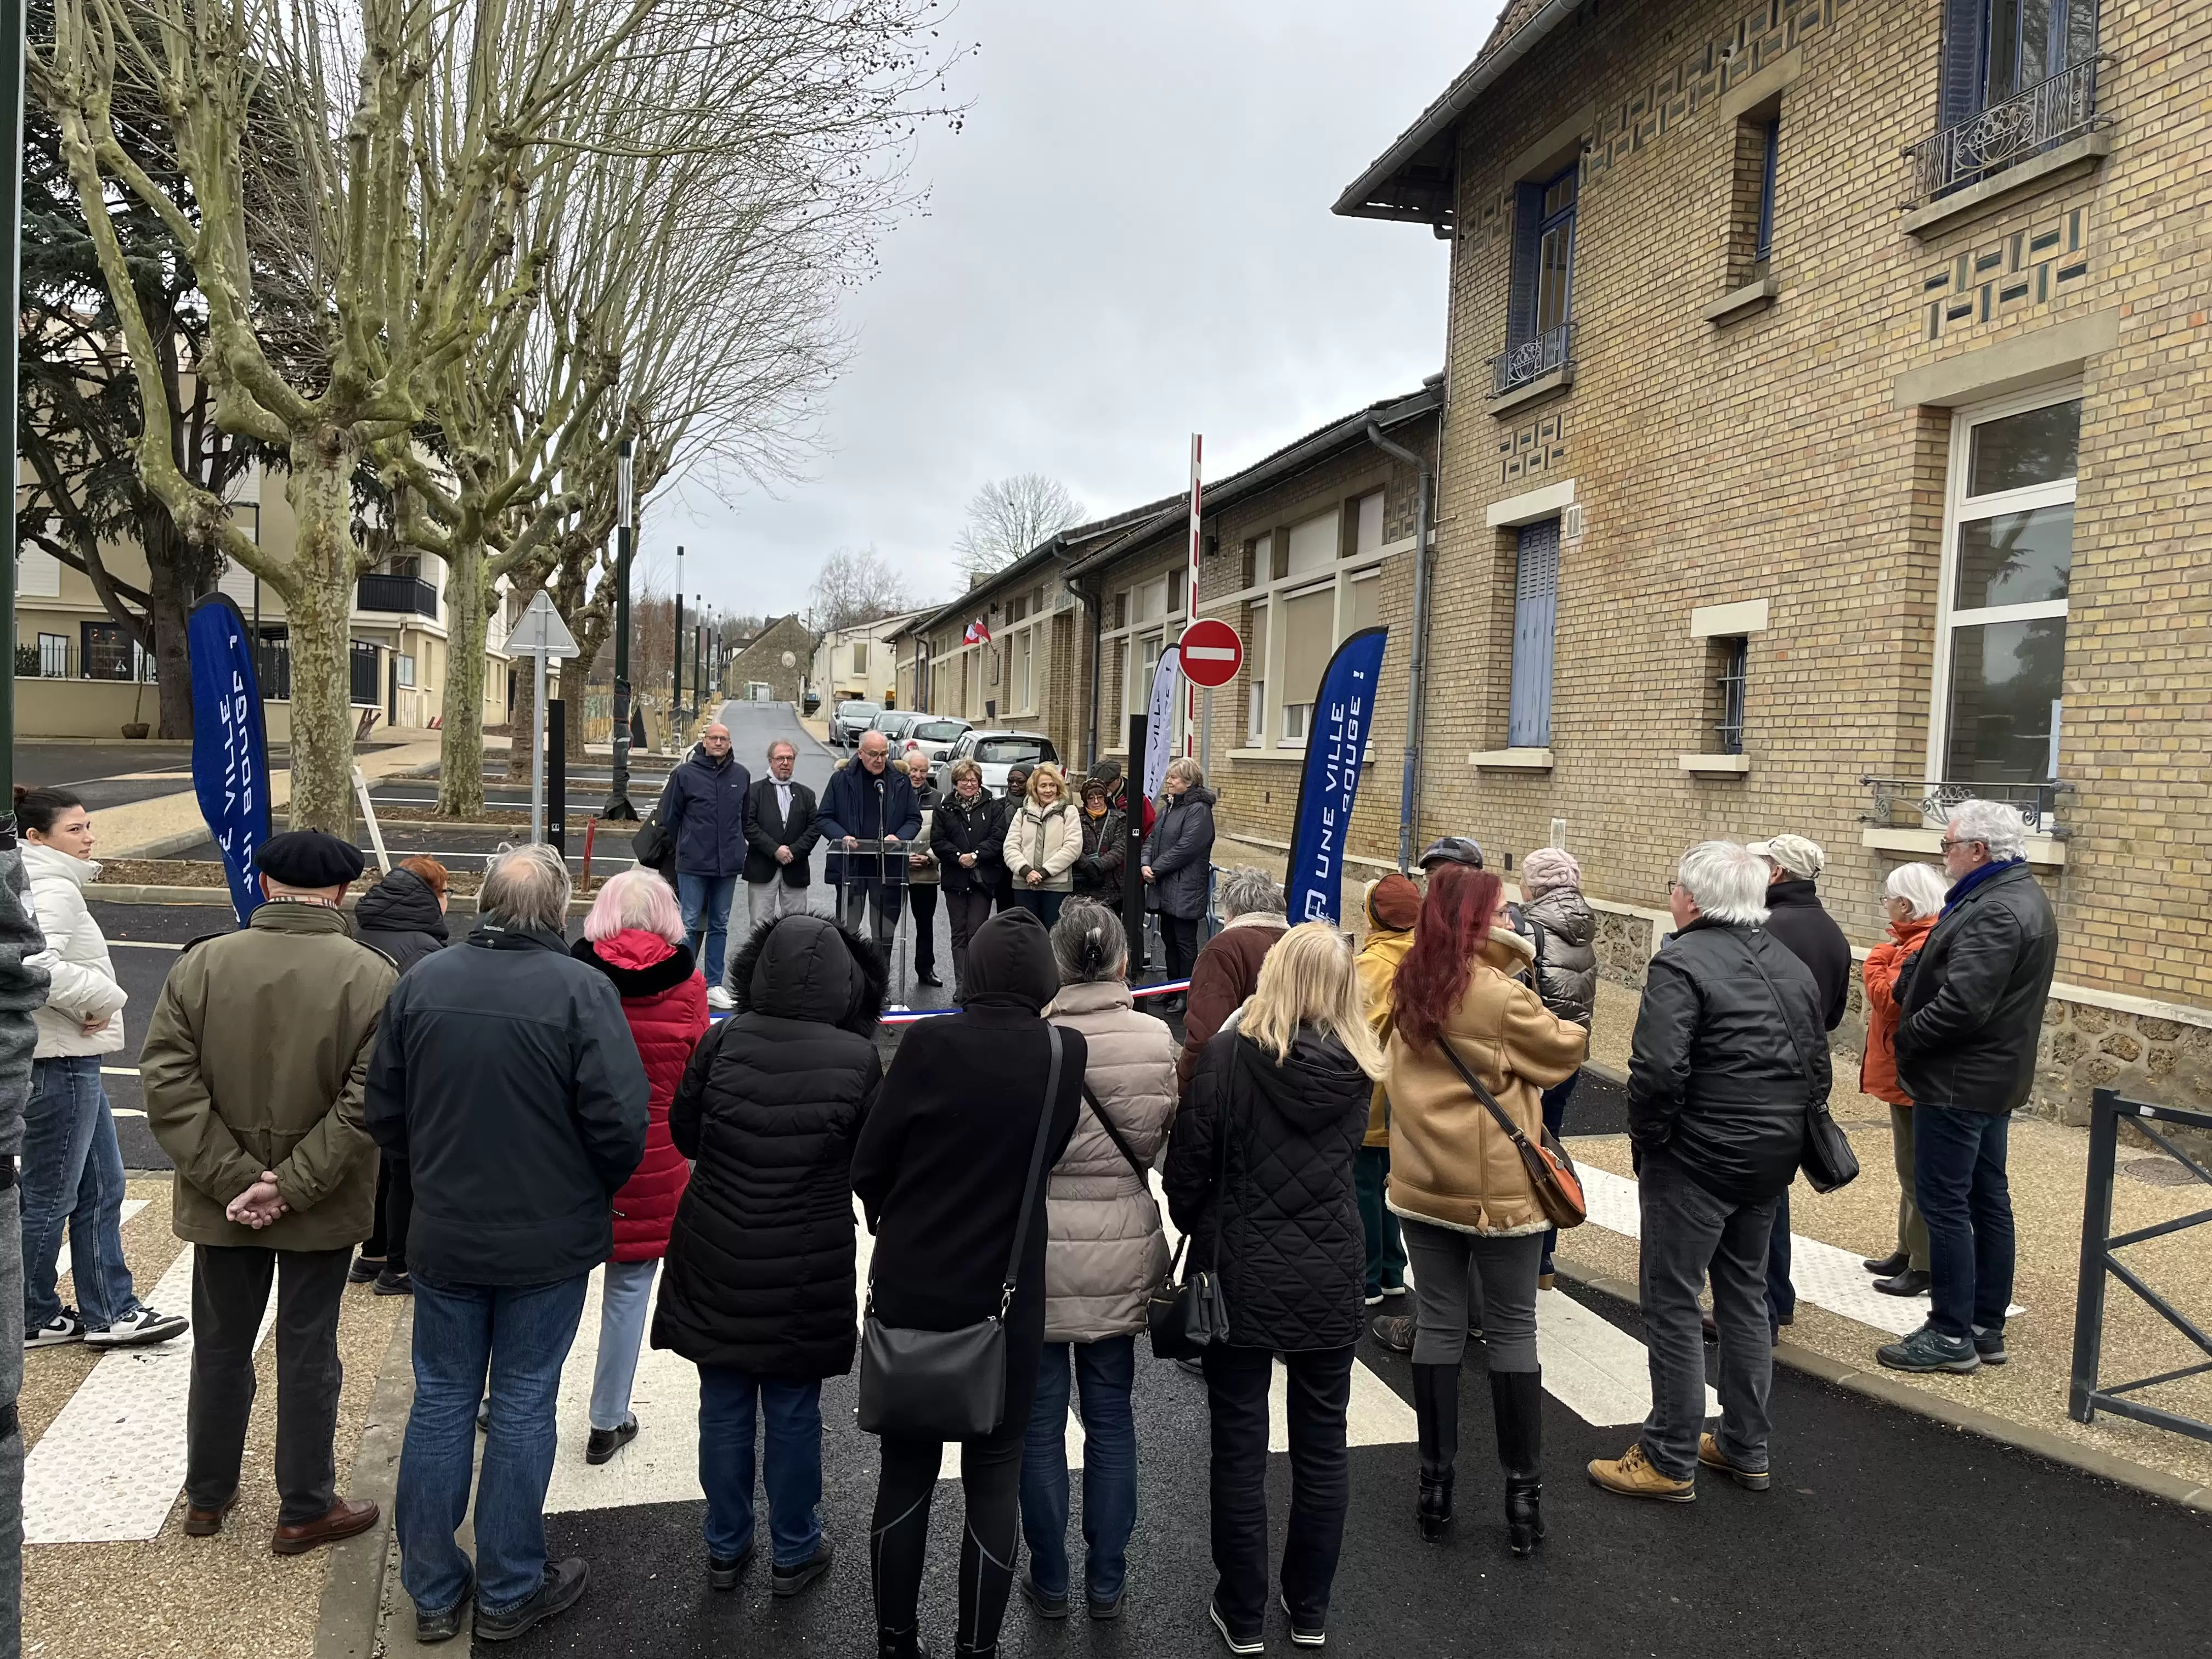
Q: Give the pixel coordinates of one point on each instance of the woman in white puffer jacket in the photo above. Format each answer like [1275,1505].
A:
[72,1172]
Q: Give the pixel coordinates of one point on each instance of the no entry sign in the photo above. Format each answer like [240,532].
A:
[1212,652]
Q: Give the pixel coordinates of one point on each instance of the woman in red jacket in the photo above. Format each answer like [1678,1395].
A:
[1913,896]
[635,936]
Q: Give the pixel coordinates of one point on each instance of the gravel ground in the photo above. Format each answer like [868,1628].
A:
[179,1596]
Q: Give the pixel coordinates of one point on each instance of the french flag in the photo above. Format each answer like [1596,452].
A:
[977,633]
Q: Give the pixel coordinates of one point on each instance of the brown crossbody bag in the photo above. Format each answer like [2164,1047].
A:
[1551,1172]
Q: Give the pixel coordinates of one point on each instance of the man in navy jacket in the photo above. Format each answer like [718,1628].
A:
[706,809]
[869,800]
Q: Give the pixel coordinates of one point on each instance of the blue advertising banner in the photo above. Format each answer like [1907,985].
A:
[1336,743]
[230,747]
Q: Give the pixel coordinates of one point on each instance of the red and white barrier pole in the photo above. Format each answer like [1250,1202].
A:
[1190,599]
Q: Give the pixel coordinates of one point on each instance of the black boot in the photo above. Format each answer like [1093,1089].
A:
[1517,1398]
[1436,1413]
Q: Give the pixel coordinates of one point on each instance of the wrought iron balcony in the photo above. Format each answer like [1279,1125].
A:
[2054,109]
[1530,361]
[409,595]
[1917,804]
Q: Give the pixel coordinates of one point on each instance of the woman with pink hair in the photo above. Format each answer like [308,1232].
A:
[635,936]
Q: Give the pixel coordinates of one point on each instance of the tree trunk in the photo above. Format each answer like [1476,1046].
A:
[170,589]
[461,739]
[319,612]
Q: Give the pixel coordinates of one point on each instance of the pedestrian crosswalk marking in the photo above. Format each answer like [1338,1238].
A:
[1593,1367]
[109,1467]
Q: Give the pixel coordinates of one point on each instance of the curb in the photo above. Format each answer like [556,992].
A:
[353,1589]
[1890,1391]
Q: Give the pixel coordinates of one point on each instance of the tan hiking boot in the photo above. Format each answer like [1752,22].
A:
[1709,1454]
[1632,1475]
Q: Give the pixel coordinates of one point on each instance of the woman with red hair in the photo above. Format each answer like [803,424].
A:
[1457,1185]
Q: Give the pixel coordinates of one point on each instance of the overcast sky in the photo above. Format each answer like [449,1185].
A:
[1129,241]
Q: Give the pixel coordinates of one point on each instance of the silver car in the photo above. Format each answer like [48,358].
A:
[997,753]
[933,736]
[850,721]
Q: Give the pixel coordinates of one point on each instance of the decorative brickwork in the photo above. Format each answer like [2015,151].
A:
[1531,451]
[2024,270]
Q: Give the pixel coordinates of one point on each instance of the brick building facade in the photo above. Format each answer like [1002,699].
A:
[1774,461]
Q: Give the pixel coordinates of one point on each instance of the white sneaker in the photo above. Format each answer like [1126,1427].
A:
[63,1327]
[141,1330]
[718,998]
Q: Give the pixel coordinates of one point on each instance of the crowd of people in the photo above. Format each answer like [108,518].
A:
[490,1121]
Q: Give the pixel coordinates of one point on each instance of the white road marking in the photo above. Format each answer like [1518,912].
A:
[130,1207]
[1593,1367]
[110,1467]
[141,945]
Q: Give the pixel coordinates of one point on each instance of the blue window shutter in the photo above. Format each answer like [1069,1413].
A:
[1527,234]
[1536,608]
[1966,32]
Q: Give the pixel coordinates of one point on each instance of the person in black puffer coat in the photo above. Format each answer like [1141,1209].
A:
[1259,1175]
[966,832]
[758,1290]
[940,1170]
[402,917]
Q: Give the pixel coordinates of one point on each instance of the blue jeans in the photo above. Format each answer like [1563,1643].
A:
[1041,904]
[1555,1100]
[72,1178]
[625,1299]
[520,1334]
[1959,1181]
[706,900]
[792,1418]
[1105,1371]
[1780,1293]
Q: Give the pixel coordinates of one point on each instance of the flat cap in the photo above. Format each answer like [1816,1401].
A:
[1452,849]
[309,858]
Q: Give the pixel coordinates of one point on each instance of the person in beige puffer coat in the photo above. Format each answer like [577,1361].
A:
[1044,838]
[1107,1251]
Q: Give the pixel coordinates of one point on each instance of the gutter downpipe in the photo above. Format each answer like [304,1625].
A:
[1409,787]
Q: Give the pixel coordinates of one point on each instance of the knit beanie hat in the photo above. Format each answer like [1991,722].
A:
[1547,867]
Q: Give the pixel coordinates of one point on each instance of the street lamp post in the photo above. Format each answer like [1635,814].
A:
[618,808]
[676,672]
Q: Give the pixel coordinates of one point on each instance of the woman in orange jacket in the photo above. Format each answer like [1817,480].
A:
[1914,898]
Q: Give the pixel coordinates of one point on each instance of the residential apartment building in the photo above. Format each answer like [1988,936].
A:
[79,675]
[1826,384]
[858,664]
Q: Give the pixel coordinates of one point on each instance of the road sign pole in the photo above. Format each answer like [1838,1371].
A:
[537,747]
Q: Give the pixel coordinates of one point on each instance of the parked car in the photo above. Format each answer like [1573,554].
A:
[997,753]
[933,737]
[893,723]
[850,721]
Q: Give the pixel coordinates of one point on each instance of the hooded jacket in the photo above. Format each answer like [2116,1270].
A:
[1278,1216]
[665,1002]
[84,982]
[1046,838]
[1180,854]
[505,1076]
[1378,966]
[1226,972]
[1726,1059]
[761,1260]
[945,1154]
[1449,1162]
[705,806]
[1107,1250]
[1878,1071]
[1972,1009]
[399,918]
[237,1081]
[1560,924]
[1794,917]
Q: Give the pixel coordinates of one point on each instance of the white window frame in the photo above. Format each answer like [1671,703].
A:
[1958,509]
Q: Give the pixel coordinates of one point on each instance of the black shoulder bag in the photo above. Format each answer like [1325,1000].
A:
[1188,1313]
[951,1385]
[1828,1160]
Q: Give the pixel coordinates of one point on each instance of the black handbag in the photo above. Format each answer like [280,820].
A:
[1188,1312]
[1828,1160]
[951,1385]
[652,846]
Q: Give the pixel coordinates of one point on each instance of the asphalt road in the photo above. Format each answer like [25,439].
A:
[1884,1532]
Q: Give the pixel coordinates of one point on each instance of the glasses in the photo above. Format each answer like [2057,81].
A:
[1947,843]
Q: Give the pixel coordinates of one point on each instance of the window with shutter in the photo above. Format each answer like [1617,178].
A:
[1536,608]
[1309,636]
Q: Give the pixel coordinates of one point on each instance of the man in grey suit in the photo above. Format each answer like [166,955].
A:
[779,838]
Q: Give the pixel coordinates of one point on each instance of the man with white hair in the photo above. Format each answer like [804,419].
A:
[1970,1009]
[506,1075]
[1729,1057]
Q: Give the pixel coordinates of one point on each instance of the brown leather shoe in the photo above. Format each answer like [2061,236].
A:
[206,1523]
[342,1520]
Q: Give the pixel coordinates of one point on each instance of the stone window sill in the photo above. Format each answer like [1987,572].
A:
[1719,766]
[1511,760]
[1536,392]
[1270,756]
[2080,154]
[1752,296]
[2046,850]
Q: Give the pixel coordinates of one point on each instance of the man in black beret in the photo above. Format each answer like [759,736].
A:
[261,1039]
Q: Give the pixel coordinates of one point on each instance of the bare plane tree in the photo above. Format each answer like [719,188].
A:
[1008,517]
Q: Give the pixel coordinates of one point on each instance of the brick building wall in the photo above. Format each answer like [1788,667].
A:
[1782,456]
